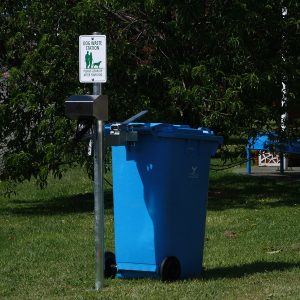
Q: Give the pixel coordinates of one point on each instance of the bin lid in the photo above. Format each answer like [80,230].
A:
[177,131]
[174,131]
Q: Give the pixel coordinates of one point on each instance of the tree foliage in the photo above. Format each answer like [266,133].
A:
[213,63]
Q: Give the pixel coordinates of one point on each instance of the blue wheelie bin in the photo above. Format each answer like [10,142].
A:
[160,186]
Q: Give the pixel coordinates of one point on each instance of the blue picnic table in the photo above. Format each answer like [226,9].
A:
[270,141]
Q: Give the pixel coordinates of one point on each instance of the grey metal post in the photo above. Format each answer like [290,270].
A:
[99,192]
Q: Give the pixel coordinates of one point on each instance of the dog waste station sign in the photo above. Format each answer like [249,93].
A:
[92,58]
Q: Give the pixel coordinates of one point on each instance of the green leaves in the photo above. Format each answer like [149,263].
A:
[218,65]
[199,72]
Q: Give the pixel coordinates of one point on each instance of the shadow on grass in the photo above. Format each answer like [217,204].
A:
[248,269]
[80,203]
[242,191]
[226,192]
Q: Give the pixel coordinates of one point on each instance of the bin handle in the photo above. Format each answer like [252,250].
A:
[135,117]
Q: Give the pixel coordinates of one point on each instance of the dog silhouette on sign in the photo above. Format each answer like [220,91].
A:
[96,64]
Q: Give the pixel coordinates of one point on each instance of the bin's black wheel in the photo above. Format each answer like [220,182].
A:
[110,268]
[170,269]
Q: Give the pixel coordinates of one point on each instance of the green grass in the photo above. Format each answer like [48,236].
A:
[252,247]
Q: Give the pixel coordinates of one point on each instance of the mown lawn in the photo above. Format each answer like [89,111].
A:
[252,247]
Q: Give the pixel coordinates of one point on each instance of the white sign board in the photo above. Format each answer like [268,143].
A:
[92,58]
